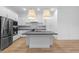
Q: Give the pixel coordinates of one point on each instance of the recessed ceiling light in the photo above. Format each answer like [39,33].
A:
[38,9]
[24,9]
[52,9]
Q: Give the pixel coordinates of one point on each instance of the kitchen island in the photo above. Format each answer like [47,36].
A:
[39,39]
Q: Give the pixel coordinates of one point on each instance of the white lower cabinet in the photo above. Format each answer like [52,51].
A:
[39,41]
[16,37]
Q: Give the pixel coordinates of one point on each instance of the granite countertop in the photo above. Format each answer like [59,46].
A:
[40,33]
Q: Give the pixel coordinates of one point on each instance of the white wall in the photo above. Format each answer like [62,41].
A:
[51,24]
[68,23]
[8,13]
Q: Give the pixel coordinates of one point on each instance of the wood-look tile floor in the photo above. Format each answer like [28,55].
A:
[60,46]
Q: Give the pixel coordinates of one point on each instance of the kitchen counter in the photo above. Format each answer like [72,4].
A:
[39,39]
[40,33]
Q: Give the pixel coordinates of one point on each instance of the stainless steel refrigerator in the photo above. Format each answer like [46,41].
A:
[6,32]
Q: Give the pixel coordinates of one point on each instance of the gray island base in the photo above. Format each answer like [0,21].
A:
[39,39]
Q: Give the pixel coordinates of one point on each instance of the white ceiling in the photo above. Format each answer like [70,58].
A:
[19,9]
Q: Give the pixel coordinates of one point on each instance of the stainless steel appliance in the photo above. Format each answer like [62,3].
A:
[15,27]
[6,32]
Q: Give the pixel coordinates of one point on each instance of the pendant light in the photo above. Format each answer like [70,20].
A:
[46,13]
[31,14]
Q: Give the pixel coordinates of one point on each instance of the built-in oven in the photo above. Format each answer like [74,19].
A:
[15,23]
[15,30]
[15,27]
